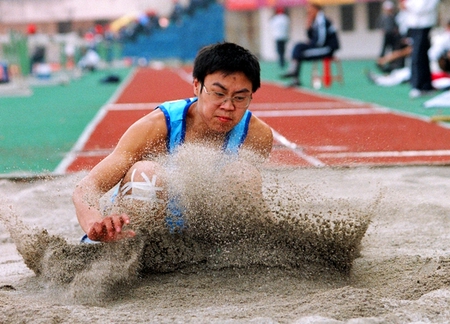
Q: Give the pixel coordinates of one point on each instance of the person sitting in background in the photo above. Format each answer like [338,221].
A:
[322,42]
[439,50]
[439,56]
[392,38]
[90,60]
[387,63]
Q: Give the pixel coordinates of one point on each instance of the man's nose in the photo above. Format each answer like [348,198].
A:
[228,103]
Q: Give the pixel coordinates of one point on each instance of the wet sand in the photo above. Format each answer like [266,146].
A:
[356,245]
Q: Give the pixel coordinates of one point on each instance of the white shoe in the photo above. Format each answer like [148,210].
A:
[415,93]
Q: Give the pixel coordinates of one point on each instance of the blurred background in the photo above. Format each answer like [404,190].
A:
[59,31]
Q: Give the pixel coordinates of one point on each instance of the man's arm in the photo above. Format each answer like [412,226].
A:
[259,137]
[145,136]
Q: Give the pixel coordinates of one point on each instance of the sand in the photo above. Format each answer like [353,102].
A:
[352,245]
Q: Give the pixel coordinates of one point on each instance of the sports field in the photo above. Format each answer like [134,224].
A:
[63,128]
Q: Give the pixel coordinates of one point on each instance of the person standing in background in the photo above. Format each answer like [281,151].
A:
[420,17]
[280,25]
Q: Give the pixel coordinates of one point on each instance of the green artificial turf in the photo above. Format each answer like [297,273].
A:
[37,131]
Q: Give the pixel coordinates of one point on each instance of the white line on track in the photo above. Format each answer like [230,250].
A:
[302,105]
[340,155]
[321,112]
[133,106]
[297,150]
[184,75]
[94,153]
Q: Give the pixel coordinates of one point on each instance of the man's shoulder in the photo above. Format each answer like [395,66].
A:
[177,102]
[257,125]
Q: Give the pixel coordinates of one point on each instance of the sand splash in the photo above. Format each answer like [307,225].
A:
[228,225]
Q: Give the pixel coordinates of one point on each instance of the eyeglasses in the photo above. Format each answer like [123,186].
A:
[238,101]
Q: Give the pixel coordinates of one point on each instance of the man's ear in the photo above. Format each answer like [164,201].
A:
[197,86]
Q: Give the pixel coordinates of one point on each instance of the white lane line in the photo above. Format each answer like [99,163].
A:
[321,112]
[303,105]
[94,153]
[133,106]
[186,76]
[297,150]
[340,155]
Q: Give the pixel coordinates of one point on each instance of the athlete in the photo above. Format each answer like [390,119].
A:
[225,76]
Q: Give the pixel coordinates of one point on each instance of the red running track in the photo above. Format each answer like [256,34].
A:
[310,129]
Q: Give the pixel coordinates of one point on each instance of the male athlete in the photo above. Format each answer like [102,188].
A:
[225,76]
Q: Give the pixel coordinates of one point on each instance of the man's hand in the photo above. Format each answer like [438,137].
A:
[109,229]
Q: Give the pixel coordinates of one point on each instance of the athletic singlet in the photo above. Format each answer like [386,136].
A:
[175,113]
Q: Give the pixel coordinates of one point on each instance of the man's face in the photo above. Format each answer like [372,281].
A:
[223,99]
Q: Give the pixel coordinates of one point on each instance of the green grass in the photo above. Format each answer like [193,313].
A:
[36,131]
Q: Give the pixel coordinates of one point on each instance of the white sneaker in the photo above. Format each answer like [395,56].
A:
[415,93]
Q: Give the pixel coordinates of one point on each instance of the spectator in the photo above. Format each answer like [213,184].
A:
[90,60]
[439,56]
[421,16]
[384,63]
[37,46]
[280,24]
[322,42]
[388,24]
[392,39]
[439,51]
[197,4]
[177,12]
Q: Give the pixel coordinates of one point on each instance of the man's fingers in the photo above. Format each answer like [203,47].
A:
[120,221]
[110,229]
[96,232]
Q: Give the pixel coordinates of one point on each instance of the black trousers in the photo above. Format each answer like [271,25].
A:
[281,50]
[420,63]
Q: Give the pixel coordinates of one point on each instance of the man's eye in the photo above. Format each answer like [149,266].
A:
[239,98]
[219,94]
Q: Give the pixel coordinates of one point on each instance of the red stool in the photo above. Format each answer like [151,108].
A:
[327,77]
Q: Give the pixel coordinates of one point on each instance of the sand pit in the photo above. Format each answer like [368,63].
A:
[346,244]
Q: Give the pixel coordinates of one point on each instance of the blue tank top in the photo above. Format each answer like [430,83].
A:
[175,113]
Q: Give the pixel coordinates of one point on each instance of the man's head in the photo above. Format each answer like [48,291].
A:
[227,58]
[388,6]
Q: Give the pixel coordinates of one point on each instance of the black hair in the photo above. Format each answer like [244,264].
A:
[227,58]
